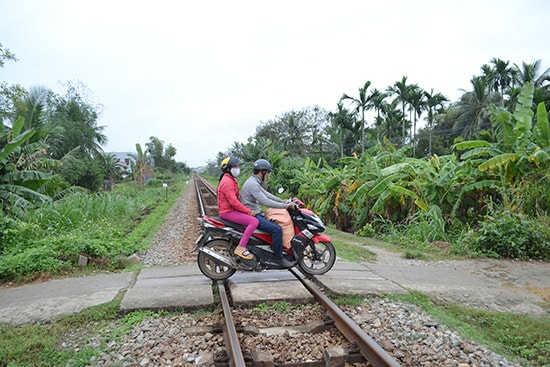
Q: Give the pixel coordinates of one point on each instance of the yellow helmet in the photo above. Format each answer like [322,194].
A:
[223,164]
[228,163]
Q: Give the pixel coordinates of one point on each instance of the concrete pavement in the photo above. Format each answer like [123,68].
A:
[502,285]
[174,287]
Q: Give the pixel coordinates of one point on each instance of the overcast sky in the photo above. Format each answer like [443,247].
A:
[201,75]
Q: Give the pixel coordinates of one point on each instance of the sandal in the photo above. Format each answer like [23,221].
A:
[243,253]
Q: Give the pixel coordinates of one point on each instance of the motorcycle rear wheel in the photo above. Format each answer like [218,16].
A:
[215,270]
[319,262]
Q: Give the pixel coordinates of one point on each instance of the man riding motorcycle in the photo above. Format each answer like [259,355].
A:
[253,194]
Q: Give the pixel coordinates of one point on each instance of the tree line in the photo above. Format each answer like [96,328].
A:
[384,161]
[51,144]
[474,172]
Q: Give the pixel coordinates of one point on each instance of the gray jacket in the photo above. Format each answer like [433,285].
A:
[253,195]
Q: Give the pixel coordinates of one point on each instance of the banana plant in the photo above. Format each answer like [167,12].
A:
[520,158]
[20,185]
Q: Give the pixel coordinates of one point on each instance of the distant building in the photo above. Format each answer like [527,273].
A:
[126,159]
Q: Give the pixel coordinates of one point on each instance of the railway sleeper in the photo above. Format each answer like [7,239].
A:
[334,356]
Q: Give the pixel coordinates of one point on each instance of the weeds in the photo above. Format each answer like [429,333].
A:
[102,227]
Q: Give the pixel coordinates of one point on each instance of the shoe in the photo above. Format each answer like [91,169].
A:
[242,252]
[284,262]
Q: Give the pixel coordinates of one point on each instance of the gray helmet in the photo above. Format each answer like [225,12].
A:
[262,165]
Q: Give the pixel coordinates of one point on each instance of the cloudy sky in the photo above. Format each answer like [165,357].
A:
[201,75]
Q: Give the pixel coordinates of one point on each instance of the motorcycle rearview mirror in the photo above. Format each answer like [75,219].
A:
[280,190]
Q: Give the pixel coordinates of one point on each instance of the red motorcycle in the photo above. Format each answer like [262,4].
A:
[311,251]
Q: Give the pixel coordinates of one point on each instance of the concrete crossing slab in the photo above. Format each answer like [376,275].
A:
[44,302]
[170,287]
[354,279]
[267,287]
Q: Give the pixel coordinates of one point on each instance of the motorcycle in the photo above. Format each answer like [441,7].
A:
[310,250]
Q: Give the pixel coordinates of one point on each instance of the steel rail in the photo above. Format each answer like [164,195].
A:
[205,191]
[368,348]
[235,354]
[199,196]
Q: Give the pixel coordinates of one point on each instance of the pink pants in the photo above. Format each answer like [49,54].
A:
[249,221]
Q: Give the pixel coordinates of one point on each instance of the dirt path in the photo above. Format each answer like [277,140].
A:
[501,285]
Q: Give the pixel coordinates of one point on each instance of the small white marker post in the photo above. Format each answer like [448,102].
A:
[165,185]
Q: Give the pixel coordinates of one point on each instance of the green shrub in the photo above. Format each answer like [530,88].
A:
[14,232]
[511,235]
[31,261]
[366,231]
[104,226]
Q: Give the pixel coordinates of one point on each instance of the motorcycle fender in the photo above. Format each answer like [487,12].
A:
[321,238]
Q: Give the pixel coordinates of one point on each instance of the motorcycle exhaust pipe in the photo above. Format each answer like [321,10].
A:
[218,258]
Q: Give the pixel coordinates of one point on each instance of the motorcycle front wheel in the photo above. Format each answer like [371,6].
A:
[319,259]
[213,269]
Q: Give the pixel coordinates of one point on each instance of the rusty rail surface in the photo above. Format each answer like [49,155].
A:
[205,191]
[235,354]
[368,348]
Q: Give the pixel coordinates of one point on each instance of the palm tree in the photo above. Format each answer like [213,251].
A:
[362,104]
[432,101]
[401,90]
[503,75]
[113,168]
[531,73]
[377,99]
[341,123]
[392,118]
[32,107]
[473,114]
[417,104]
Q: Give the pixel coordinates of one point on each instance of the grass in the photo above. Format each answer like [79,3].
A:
[512,335]
[349,247]
[106,227]
[518,337]
[42,345]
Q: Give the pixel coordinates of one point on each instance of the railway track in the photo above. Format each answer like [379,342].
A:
[364,351]
[206,197]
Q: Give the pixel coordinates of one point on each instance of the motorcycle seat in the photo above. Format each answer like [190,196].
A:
[237,226]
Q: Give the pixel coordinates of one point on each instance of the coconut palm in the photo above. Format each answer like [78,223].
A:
[113,168]
[472,106]
[531,73]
